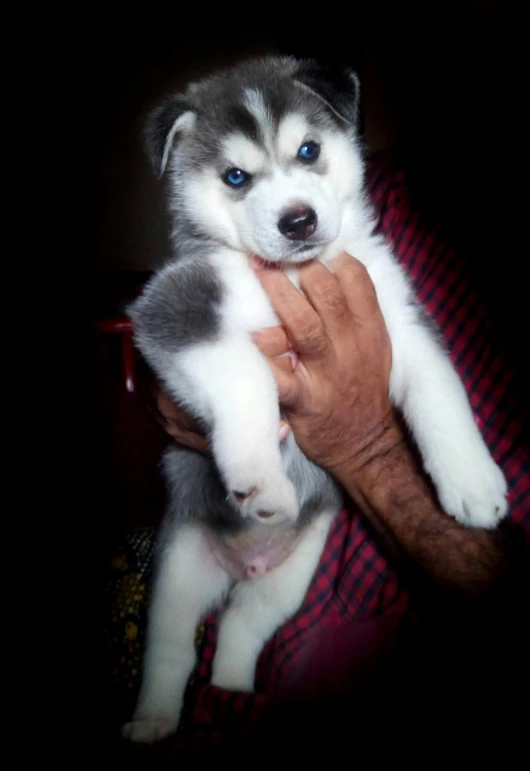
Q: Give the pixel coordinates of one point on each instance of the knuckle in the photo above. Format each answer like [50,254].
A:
[362,281]
[337,303]
[372,301]
[328,292]
[315,347]
[358,268]
[358,273]
[311,333]
[317,279]
[287,393]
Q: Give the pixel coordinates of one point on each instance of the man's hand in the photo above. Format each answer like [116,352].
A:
[336,398]
[336,401]
[178,424]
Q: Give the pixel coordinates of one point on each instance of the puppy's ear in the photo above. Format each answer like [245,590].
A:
[164,125]
[336,86]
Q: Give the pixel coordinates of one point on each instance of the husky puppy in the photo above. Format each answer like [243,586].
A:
[264,159]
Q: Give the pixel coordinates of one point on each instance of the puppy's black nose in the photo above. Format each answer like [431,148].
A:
[298,223]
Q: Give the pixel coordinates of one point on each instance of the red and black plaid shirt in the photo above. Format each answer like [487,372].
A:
[354,580]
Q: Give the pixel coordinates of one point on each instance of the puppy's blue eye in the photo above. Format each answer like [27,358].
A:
[235,177]
[309,151]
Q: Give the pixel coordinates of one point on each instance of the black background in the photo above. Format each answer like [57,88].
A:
[444,62]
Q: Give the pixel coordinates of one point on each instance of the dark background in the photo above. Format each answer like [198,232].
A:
[432,86]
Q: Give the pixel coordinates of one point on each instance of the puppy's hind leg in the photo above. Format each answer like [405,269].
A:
[189,583]
[260,606]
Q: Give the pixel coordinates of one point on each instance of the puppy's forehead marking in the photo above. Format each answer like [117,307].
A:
[243,121]
[255,104]
[238,150]
[292,131]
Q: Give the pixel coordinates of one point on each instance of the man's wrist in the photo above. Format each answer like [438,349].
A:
[388,483]
[379,449]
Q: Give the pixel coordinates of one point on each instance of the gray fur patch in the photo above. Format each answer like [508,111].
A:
[179,307]
[315,488]
[244,122]
[197,493]
[158,127]
[338,87]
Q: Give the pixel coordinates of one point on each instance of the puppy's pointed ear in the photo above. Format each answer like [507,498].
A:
[163,127]
[338,87]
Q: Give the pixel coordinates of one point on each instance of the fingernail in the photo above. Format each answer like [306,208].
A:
[294,358]
[285,430]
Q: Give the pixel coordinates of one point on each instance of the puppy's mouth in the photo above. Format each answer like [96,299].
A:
[258,263]
[306,252]
[303,253]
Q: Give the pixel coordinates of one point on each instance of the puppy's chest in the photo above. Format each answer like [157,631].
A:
[252,552]
[245,304]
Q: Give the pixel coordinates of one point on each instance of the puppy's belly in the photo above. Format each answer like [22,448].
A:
[253,552]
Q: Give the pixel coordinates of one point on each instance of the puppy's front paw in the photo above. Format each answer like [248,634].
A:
[471,487]
[263,493]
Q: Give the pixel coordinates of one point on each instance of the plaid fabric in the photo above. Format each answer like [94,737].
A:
[441,277]
[354,580]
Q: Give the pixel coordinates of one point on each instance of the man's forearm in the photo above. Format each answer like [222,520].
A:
[387,482]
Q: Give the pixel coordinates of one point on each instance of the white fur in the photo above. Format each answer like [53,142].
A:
[188,584]
[229,384]
[242,153]
[250,224]
[185,124]
[241,404]
[257,608]
[293,131]
[255,104]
